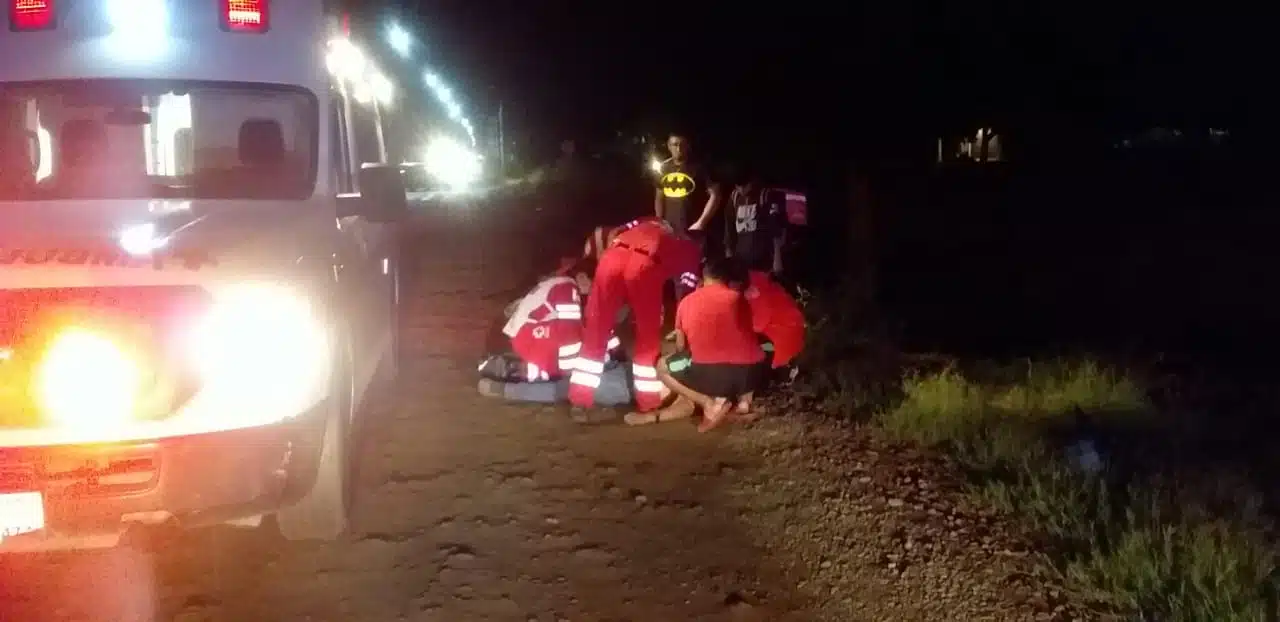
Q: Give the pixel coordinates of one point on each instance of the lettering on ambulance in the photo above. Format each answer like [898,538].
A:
[189,259]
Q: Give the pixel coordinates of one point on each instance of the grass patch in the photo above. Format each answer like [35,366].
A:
[1137,544]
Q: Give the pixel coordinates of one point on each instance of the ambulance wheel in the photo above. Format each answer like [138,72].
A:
[323,513]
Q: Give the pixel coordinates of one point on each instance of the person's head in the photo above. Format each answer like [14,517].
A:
[678,145]
[746,177]
[580,269]
[724,271]
[582,278]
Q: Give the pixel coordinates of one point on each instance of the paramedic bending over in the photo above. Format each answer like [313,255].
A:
[545,332]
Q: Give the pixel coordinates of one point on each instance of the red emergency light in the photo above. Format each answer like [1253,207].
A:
[30,15]
[245,16]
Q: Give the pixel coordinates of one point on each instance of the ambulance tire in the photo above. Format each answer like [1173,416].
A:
[323,513]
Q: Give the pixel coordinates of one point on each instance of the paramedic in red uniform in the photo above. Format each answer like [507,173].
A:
[776,317]
[642,256]
[685,196]
[546,327]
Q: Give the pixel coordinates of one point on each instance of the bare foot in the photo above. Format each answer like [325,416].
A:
[679,410]
[714,413]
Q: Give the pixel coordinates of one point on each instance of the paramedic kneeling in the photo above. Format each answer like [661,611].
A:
[776,317]
[721,362]
[545,332]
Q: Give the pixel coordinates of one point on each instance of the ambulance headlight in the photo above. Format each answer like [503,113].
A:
[261,348]
[86,378]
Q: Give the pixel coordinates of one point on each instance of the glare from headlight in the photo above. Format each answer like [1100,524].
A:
[87,380]
[261,349]
[452,163]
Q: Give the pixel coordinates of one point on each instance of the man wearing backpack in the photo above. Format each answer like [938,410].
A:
[756,223]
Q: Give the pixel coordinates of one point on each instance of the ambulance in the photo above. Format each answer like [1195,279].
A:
[198,268]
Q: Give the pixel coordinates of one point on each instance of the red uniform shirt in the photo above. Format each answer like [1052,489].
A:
[775,314]
[546,326]
[716,322]
[676,256]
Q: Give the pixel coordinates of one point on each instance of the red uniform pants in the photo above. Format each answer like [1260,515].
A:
[623,276]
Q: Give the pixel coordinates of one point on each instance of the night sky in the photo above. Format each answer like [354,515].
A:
[822,74]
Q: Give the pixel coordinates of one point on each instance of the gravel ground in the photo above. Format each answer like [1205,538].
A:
[872,531]
[475,510]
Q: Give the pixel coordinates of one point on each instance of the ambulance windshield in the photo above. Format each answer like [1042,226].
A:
[115,139]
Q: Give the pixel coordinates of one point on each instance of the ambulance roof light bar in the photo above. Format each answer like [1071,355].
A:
[25,15]
[249,16]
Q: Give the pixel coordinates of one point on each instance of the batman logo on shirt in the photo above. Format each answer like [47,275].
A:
[677,185]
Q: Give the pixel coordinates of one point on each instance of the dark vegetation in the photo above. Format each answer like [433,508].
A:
[1090,342]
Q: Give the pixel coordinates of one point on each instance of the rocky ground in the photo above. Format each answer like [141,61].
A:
[475,510]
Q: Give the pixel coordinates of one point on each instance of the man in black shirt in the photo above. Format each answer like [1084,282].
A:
[756,223]
[686,197]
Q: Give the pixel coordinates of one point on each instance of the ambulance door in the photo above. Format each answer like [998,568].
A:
[370,272]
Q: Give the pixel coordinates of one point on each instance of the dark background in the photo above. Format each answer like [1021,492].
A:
[1079,240]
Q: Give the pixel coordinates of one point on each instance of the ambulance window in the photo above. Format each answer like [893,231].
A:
[100,139]
[338,161]
[365,128]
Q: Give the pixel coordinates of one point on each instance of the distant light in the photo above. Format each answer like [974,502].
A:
[141,239]
[345,60]
[400,40]
[383,90]
[452,163]
[45,140]
[655,165]
[433,81]
[139,28]
[362,92]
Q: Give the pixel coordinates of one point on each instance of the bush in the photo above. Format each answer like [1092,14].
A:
[1141,547]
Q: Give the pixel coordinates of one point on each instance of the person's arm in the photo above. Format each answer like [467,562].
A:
[777,219]
[709,208]
[779,241]
[678,333]
[730,225]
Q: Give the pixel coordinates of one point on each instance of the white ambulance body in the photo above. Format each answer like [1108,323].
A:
[198,277]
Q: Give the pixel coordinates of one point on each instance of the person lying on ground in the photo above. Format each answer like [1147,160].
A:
[544,328]
[719,363]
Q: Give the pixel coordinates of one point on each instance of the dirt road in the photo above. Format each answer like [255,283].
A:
[472,510]
[467,509]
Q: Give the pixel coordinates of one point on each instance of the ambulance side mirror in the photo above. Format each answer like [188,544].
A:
[382,195]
